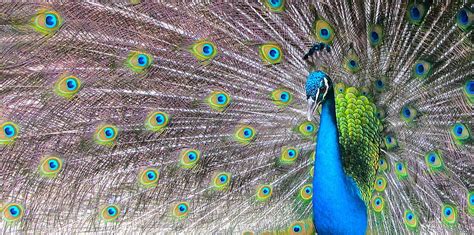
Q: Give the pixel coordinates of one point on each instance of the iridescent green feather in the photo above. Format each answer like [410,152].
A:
[468,90]
[307,130]
[275,5]
[460,133]
[8,133]
[411,220]
[470,203]
[449,215]
[434,161]
[359,137]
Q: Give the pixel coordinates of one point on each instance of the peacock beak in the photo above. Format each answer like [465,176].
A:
[312,105]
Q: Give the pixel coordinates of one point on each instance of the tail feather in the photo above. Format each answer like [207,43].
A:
[94,42]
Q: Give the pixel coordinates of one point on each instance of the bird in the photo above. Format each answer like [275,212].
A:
[252,117]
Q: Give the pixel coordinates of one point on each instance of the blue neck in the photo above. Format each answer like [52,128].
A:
[337,208]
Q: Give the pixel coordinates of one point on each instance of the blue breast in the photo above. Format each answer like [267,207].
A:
[337,205]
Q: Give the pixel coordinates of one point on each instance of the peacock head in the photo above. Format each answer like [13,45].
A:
[318,84]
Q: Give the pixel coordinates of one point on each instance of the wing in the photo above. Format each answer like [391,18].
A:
[358,136]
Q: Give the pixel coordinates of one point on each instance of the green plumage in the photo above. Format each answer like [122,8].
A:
[359,137]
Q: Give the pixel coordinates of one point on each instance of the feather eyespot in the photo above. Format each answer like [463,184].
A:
[410,219]
[270,53]
[245,134]
[218,100]
[50,166]
[8,133]
[67,86]
[281,97]
[203,50]
[110,213]
[188,158]
[264,192]
[157,121]
[46,21]
[148,177]
[181,210]
[12,212]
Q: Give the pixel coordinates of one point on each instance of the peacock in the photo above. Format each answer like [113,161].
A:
[245,117]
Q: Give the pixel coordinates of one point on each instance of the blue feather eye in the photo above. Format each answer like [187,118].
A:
[247,132]
[67,86]
[408,114]
[181,210]
[275,5]
[50,166]
[307,129]
[110,213]
[390,142]
[207,49]
[460,133]
[380,84]
[351,62]
[46,21]
[377,203]
[148,177]
[299,227]
[291,153]
[204,50]
[139,61]
[270,53]
[401,170]
[157,121]
[323,31]
[306,192]
[109,132]
[51,20]
[434,161]
[192,156]
[53,164]
[9,132]
[218,100]
[273,53]
[288,155]
[281,97]
[380,183]
[71,84]
[264,192]
[421,69]
[160,118]
[284,96]
[383,165]
[12,212]
[416,13]
[221,99]
[142,60]
[106,135]
[188,158]
[410,220]
[449,215]
[464,19]
[221,181]
[468,90]
[376,35]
